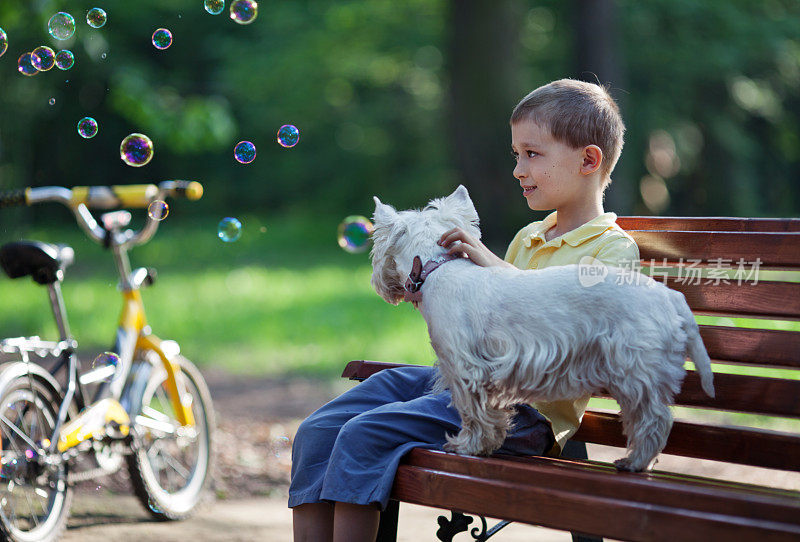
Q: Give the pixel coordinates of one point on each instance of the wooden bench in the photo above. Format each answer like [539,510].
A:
[590,496]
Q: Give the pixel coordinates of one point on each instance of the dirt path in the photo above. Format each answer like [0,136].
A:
[257,418]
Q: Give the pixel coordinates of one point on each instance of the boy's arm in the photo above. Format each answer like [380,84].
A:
[457,241]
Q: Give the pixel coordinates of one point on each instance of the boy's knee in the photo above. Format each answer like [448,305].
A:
[367,430]
[314,432]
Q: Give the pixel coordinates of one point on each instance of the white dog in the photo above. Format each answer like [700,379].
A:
[505,336]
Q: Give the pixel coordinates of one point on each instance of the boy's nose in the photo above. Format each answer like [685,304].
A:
[519,173]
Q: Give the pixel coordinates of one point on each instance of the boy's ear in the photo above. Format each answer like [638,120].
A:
[383,213]
[592,158]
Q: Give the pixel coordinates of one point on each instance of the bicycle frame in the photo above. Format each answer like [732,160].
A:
[133,334]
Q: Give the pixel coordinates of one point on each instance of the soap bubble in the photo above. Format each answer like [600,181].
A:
[96,17]
[61,26]
[244,11]
[43,58]
[158,210]
[3,42]
[106,364]
[288,135]
[229,229]
[65,59]
[214,7]
[52,101]
[280,446]
[87,127]
[244,152]
[136,150]
[25,65]
[354,234]
[162,39]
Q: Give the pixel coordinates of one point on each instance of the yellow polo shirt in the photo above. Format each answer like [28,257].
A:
[599,238]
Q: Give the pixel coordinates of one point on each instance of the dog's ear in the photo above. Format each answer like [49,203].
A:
[383,213]
[460,201]
[461,195]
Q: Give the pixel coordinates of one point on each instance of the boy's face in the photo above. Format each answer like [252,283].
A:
[548,171]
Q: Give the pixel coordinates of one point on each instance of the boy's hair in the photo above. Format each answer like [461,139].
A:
[577,114]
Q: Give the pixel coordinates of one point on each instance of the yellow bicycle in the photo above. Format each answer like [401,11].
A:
[151,408]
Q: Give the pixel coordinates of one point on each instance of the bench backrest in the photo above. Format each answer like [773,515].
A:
[740,257]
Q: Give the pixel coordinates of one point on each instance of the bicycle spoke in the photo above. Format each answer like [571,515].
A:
[176,466]
[30,507]
[18,431]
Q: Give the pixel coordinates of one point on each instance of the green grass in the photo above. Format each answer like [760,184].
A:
[285,300]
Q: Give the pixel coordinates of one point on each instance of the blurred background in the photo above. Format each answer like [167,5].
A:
[403,100]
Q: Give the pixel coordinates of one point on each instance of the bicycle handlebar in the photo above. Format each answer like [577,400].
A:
[80,198]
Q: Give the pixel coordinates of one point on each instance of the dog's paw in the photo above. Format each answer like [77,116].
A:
[626,464]
[459,449]
[463,447]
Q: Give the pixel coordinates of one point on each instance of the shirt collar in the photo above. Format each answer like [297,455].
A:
[575,237]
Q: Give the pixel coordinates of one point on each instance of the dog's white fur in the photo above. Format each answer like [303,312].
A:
[504,336]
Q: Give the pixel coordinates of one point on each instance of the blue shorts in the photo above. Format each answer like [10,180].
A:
[349,449]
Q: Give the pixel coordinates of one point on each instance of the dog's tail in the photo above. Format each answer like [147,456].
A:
[695,348]
[697,353]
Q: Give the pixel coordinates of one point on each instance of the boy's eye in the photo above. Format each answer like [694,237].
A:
[531,154]
[515,155]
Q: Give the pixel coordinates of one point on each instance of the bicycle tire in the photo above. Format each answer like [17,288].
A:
[173,503]
[23,395]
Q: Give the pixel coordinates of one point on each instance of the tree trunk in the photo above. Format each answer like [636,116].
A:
[597,59]
[485,85]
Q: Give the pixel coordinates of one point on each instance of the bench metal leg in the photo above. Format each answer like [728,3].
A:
[459,522]
[577,450]
[387,528]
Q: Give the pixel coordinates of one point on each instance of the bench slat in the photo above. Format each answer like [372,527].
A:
[583,512]
[779,300]
[655,487]
[741,393]
[673,223]
[752,346]
[773,249]
[744,393]
[741,445]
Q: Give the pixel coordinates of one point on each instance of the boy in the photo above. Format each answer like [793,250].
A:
[567,169]
[566,138]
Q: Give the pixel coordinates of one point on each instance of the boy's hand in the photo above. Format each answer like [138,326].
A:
[457,241]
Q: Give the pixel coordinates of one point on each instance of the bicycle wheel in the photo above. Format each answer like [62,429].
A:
[34,494]
[171,465]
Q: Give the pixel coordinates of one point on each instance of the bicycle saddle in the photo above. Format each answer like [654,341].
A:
[44,262]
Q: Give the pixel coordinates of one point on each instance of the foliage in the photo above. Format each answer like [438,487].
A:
[368,85]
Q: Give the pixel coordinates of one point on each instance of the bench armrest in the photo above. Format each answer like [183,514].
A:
[361,369]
